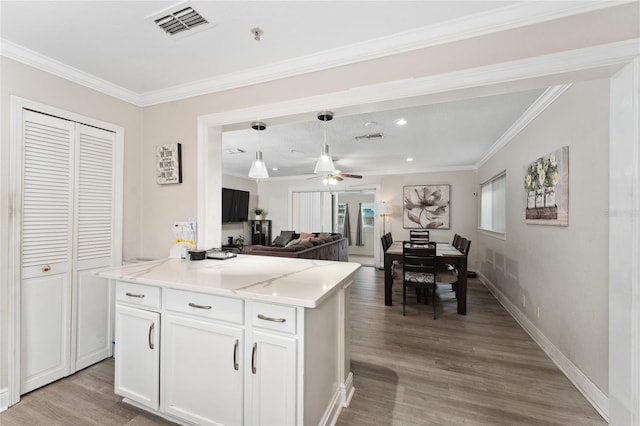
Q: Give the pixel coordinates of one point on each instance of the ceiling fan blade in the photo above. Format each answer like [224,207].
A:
[349,175]
[338,178]
[313,177]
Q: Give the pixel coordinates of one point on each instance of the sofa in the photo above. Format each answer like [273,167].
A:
[321,246]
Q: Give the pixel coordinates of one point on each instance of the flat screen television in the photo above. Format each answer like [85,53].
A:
[235,205]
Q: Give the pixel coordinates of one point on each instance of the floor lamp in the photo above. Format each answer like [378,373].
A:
[384,210]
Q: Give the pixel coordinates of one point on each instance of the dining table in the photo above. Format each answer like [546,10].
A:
[446,254]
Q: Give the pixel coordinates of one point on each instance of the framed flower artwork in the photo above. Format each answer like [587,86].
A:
[426,207]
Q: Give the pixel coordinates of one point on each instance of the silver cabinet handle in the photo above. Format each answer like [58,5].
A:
[235,355]
[139,296]
[195,305]
[253,357]
[262,317]
[151,327]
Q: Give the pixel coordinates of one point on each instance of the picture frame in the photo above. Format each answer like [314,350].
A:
[426,206]
[169,164]
[546,189]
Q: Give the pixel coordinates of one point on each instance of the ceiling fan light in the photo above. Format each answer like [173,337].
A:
[325,163]
[258,168]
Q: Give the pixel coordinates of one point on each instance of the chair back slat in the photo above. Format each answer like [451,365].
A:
[419,235]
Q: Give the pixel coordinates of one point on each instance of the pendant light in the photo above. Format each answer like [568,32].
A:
[258,168]
[325,163]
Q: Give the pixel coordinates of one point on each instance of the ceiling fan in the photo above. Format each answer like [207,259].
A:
[335,177]
[325,166]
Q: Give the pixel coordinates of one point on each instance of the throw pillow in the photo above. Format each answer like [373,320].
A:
[293,242]
[279,241]
[305,236]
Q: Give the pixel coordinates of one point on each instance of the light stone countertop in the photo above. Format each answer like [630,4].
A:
[296,282]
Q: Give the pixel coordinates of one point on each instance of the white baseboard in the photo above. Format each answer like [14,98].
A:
[348,390]
[4,399]
[591,392]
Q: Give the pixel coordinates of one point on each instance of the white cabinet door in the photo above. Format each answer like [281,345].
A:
[272,379]
[137,372]
[202,371]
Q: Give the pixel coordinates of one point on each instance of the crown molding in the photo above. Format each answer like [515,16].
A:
[18,53]
[508,17]
[539,105]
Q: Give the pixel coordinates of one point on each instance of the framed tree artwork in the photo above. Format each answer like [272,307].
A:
[546,189]
[426,207]
[169,164]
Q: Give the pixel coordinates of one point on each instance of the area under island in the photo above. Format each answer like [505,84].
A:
[244,341]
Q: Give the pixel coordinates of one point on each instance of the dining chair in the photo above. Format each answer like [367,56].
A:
[419,235]
[419,270]
[451,277]
[456,241]
[385,246]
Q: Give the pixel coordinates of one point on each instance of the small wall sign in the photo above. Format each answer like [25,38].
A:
[169,164]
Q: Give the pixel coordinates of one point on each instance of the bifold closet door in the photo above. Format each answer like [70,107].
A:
[46,249]
[68,222]
[93,244]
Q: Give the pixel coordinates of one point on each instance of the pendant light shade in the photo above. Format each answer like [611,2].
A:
[325,163]
[258,169]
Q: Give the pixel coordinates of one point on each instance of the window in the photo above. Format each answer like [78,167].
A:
[368,213]
[493,204]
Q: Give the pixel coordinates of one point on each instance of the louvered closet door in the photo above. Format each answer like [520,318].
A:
[46,249]
[94,228]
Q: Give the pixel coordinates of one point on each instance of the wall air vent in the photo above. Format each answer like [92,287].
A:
[180,20]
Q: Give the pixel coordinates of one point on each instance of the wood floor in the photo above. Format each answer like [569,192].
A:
[479,369]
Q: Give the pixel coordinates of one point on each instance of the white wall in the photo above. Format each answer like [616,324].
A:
[563,271]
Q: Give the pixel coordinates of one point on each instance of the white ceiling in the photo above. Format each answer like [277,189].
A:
[113,47]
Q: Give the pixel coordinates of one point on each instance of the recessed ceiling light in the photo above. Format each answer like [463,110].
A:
[275,169]
[401,121]
[409,159]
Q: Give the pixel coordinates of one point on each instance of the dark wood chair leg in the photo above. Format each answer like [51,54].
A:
[433,298]
[404,298]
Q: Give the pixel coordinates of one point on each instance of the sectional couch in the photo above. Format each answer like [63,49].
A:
[321,246]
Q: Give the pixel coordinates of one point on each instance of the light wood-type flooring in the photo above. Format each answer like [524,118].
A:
[479,369]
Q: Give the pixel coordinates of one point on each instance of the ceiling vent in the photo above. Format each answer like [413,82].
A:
[180,20]
[370,136]
[235,151]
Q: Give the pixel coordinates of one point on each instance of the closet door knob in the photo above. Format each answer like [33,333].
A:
[46,268]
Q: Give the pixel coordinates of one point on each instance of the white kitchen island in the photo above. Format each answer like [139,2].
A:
[252,340]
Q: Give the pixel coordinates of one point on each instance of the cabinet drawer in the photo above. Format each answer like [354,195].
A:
[138,294]
[274,317]
[205,305]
